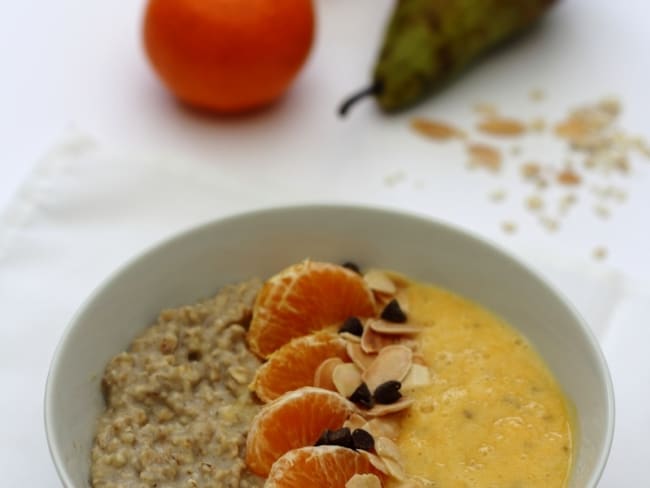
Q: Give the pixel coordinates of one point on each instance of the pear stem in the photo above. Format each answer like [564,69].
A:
[371,90]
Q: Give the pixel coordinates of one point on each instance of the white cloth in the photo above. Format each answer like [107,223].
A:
[85,210]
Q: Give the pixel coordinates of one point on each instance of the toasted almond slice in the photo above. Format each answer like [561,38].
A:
[323,374]
[400,280]
[382,427]
[391,328]
[395,469]
[391,364]
[379,281]
[358,356]
[375,460]
[411,482]
[417,376]
[387,449]
[389,453]
[402,298]
[382,299]
[350,337]
[372,342]
[380,410]
[363,481]
[355,421]
[418,358]
[346,378]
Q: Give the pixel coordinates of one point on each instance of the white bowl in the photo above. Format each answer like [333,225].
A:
[196,263]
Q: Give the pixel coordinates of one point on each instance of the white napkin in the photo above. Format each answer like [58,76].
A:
[85,210]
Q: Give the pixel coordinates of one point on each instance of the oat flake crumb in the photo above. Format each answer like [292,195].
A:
[600,253]
[537,94]
[497,196]
[568,177]
[549,224]
[602,211]
[501,126]
[534,203]
[394,178]
[484,108]
[436,130]
[509,227]
[482,155]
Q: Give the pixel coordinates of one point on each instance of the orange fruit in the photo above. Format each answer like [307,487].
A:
[228,55]
[296,419]
[294,364]
[316,467]
[304,298]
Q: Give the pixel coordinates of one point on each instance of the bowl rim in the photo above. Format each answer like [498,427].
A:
[57,357]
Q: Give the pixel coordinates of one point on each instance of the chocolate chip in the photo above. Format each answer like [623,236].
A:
[363,440]
[341,437]
[352,267]
[393,313]
[388,392]
[323,440]
[353,326]
[362,396]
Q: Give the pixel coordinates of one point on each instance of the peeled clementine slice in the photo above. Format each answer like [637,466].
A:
[296,419]
[294,364]
[304,298]
[316,467]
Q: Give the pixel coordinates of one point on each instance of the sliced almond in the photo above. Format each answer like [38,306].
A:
[389,453]
[387,449]
[413,482]
[392,328]
[350,337]
[346,378]
[381,410]
[402,298]
[382,427]
[380,282]
[383,299]
[418,358]
[417,376]
[358,356]
[355,421]
[372,342]
[363,481]
[375,460]
[400,280]
[391,364]
[324,372]
[395,469]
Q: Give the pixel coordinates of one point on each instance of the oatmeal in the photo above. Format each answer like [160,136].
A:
[178,403]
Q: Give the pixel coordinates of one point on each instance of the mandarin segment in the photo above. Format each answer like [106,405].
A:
[304,298]
[294,364]
[316,467]
[294,420]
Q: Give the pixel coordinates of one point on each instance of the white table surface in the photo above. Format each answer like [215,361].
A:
[79,65]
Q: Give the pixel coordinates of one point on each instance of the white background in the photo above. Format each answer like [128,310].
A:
[79,65]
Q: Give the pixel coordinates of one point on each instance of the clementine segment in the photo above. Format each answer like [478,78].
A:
[316,467]
[228,55]
[294,364]
[304,298]
[294,420]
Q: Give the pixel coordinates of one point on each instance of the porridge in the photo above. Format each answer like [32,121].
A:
[326,376]
[178,403]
